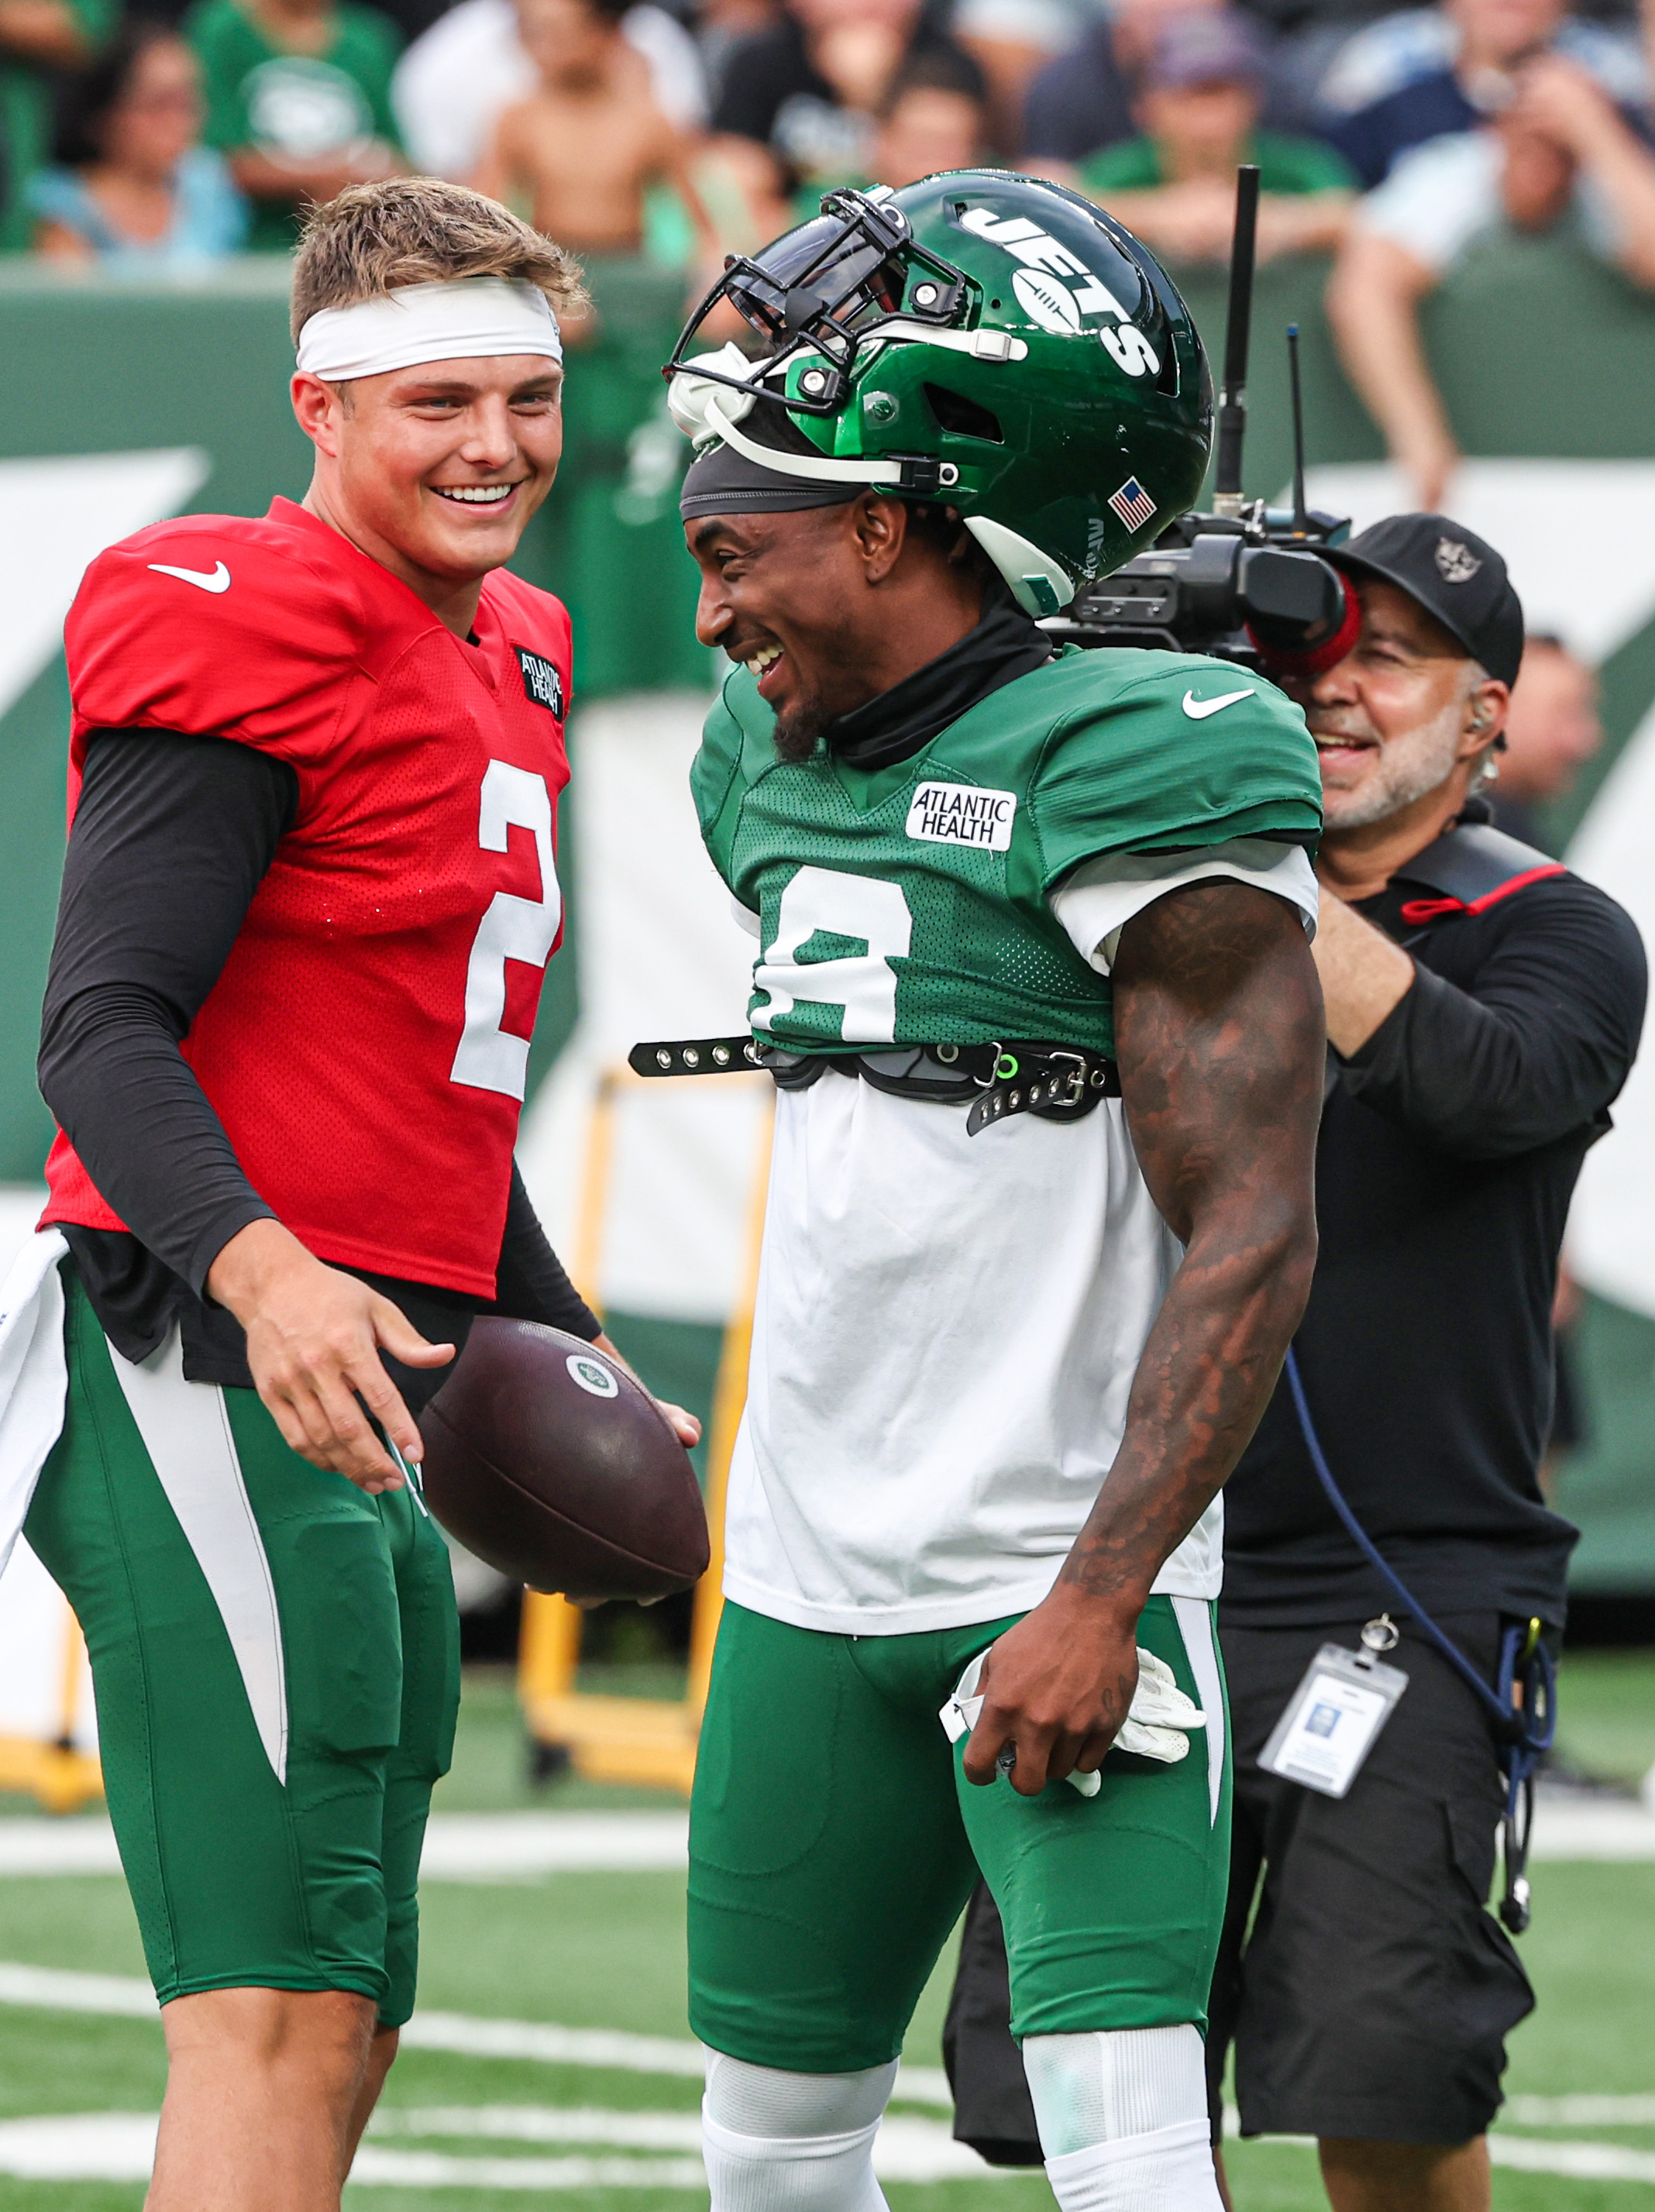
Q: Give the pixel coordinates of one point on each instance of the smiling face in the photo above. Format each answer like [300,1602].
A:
[1402,713]
[435,470]
[830,606]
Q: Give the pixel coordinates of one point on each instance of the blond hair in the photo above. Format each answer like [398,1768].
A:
[370,239]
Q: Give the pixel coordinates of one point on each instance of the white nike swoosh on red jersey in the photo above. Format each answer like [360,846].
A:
[212,579]
[1197,709]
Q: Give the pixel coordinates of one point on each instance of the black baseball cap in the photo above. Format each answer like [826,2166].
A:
[1455,576]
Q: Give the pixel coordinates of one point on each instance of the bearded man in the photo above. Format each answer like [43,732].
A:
[1483,1008]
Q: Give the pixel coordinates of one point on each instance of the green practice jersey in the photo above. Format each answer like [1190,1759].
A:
[911,904]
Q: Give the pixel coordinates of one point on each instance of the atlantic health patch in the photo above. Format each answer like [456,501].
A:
[541,680]
[962,814]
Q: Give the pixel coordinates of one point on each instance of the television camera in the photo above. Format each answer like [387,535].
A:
[1245,583]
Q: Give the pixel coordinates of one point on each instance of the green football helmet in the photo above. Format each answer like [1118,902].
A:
[985,340]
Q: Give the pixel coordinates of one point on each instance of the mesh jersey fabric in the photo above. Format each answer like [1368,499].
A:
[1095,753]
[368,1083]
[947,1327]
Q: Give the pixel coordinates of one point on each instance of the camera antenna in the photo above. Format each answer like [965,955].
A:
[1300,519]
[1232,392]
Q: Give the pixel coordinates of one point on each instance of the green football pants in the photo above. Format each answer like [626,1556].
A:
[276,1661]
[834,1840]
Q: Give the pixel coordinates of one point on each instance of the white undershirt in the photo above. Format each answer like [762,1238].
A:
[947,1329]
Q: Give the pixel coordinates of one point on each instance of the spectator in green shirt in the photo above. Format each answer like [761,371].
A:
[1174,186]
[298,98]
[37,39]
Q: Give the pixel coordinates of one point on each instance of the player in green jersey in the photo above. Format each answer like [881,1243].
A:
[1006,1351]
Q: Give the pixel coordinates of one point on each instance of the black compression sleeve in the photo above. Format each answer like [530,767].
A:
[532,1285]
[172,837]
[1537,1045]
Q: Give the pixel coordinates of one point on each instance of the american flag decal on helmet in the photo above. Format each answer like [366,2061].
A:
[1133,504]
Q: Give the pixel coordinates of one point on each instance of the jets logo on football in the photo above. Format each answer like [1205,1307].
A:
[541,680]
[1056,289]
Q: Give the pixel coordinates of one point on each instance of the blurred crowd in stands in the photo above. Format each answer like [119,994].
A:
[1394,141]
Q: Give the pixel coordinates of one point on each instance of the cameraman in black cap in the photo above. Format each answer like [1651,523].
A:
[1483,1008]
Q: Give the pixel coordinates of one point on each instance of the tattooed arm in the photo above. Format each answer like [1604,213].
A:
[1220,1040]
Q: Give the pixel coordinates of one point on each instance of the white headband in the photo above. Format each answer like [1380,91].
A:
[465,320]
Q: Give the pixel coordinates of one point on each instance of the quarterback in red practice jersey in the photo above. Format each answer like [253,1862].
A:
[308,901]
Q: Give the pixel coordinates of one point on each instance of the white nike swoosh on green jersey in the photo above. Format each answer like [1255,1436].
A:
[214,580]
[1199,709]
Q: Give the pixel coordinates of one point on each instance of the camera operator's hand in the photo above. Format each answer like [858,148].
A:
[1055,1689]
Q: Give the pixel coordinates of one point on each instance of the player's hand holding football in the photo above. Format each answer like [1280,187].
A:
[1055,1689]
[313,1341]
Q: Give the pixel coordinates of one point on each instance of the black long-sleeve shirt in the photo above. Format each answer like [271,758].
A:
[173,835]
[1450,1146]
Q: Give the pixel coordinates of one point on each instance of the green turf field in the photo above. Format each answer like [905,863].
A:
[604,1952]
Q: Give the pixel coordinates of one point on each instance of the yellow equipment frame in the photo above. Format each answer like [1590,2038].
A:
[648,1742]
[60,1778]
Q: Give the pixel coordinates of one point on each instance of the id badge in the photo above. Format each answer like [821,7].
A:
[1333,1719]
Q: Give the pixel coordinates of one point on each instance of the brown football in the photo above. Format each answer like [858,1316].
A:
[545,1458]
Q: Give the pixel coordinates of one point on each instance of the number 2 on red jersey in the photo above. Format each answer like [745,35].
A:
[489,1057]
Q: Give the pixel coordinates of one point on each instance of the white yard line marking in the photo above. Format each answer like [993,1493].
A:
[430,2169]
[906,2149]
[471,2037]
[1585,2110]
[459,1846]
[53,1989]
[519,1846]
[542,2123]
[1573,2161]
[1577,2162]
[121,2147]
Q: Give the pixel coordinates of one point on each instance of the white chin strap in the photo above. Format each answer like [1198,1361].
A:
[705,410]
[472,318]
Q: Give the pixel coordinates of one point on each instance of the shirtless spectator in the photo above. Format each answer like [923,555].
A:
[1560,159]
[579,153]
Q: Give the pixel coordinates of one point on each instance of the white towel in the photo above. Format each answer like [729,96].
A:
[33,1376]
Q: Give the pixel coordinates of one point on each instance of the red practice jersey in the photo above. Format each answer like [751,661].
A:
[366,1043]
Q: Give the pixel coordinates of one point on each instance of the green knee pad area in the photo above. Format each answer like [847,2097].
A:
[241,1877]
[834,1840]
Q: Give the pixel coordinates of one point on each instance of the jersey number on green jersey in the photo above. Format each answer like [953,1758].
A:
[867,910]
